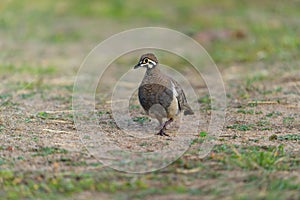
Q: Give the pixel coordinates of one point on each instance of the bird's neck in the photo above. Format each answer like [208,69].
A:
[153,70]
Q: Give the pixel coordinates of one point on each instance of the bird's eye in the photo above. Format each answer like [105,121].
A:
[145,60]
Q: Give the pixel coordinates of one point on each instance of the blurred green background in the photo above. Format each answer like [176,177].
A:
[232,31]
[43,44]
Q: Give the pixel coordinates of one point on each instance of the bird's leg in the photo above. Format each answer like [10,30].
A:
[162,130]
[161,124]
[168,122]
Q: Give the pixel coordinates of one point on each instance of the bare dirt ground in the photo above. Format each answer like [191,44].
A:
[42,151]
[38,134]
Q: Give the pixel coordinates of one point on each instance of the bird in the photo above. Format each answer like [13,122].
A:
[160,95]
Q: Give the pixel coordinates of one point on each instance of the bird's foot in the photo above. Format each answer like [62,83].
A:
[162,133]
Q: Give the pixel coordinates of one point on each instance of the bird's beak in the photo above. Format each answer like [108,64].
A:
[137,66]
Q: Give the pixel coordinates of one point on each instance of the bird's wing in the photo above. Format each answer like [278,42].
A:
[151,94]
[182,102]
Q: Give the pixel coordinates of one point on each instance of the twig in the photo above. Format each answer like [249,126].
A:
[56,131]
[60,121]
[58,111]
[262,102]
[188,171]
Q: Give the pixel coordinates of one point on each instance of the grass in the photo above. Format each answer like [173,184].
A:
[203,134]
[54,115]
[289,137]
[205,102]
[233,157]
[240,127]
[5,95]
[244,111]
[270,37]
[273,114]
[288,120]
[44,151]
[253,158]
[266,159]
[140,119]
[28,69]
[61,32]
[64,184]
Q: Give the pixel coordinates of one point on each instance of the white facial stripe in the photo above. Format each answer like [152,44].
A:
[149,65]
[152,62]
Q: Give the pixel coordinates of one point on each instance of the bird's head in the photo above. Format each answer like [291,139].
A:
[147,60]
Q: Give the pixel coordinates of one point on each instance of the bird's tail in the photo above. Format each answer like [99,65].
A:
[187,110]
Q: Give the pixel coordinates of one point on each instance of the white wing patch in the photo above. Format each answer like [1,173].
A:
[174,107]
[174,89]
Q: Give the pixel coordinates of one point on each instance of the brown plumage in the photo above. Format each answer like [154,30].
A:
[160,95]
